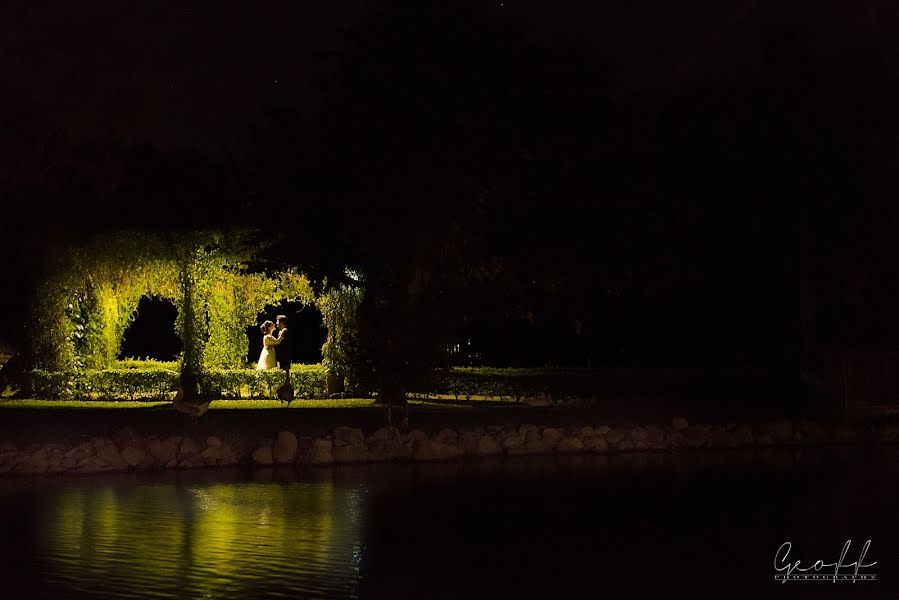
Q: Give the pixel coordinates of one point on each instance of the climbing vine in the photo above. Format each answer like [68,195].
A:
[90,294]
[339,307]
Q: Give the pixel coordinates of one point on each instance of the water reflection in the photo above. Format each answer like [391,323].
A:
[529,527]
[205,540]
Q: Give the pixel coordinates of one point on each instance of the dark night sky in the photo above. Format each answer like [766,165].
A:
[196,75]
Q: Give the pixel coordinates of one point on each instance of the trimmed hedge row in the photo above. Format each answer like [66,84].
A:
[154,383]
[143,380]
[308,381]
[514,384]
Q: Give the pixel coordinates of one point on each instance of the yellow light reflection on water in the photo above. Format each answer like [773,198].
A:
[213,540]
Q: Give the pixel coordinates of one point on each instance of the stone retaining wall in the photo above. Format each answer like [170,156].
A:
[126,451]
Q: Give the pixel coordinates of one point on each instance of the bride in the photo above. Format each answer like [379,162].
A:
[267,359]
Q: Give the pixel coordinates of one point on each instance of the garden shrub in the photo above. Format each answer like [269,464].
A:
[53,385]
[153,381]
[513,384]
[308,381]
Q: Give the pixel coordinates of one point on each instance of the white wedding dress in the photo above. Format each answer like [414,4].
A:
[268,360]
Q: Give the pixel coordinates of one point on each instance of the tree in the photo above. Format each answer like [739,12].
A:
[448,133]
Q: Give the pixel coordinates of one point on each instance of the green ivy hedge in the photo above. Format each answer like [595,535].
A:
[511,384]
[154,381]
[308,381]
[150,380]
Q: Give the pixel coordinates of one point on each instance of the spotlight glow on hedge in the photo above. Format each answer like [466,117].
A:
[90,294]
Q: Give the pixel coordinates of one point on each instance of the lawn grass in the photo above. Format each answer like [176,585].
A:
[28,404]
[247,421]
[216,405]
[26,421]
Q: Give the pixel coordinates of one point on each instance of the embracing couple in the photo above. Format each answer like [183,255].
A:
[275,348]
[275,351]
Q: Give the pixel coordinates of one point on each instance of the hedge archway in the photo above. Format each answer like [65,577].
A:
[152,334]
[91,294]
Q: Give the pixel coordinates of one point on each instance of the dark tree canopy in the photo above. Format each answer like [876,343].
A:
[507,188]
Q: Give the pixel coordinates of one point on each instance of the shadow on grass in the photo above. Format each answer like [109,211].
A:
[452,402]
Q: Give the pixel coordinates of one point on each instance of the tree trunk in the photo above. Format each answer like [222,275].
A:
[392,394]
[191,359]
[335,383]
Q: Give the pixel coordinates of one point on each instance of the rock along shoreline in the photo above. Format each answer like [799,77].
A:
[126,451]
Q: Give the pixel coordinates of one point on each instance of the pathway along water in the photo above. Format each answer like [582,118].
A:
[587,526]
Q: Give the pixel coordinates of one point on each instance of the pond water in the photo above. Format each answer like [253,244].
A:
[645,525]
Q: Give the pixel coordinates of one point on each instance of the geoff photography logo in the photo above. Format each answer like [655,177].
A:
[789,570]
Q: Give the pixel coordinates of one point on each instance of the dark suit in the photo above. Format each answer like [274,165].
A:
[283,349]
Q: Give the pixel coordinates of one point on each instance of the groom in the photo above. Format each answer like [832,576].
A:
[283,352]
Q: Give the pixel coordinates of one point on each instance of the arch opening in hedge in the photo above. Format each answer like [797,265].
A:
[90,295]
[153,334]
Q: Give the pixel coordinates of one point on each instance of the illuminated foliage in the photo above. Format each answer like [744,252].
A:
[90,294]
[339,307]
